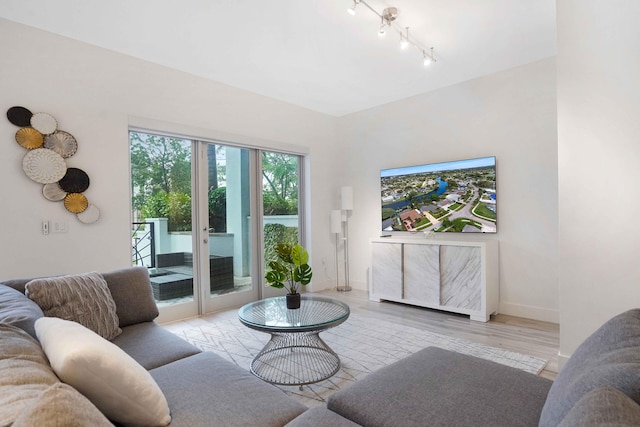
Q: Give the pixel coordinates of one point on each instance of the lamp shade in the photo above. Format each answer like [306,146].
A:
[336,221]
[346,196]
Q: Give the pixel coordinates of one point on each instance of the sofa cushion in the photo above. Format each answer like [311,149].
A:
[608,357]
[207,390]
[83,298]
[61,405]
[18,310]
[24,372]
[603,406]
[320,416]
[122,389]
[152,346]
[131,291]
[438,387]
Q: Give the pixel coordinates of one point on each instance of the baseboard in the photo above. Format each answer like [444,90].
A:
[530,312]
[562,360]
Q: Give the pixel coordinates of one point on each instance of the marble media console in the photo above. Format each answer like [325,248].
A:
[456,276]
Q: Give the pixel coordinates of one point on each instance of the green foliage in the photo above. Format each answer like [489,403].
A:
[280,183]
[218,210]
[291,269]
[274,234]
[161,178]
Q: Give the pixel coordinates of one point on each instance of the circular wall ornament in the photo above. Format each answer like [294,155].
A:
[29,138]
[89,215]
[43,122]
[44,166]
[53,192]
[74,181]
[62,143]
[19,116]
[75,202]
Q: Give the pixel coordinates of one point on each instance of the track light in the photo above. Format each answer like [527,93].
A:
[352,10]
[428,59]
[387,18]
[404,40]
[382,31]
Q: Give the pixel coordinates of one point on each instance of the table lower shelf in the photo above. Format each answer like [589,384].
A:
[295,358]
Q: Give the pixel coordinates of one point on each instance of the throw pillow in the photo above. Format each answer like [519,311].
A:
[122,389]
[16,309]
[603,406]
[61,405]
[83,298]
[24,372]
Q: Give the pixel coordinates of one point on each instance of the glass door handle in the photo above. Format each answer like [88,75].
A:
[205,240]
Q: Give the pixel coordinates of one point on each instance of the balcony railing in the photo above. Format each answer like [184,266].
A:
[143,244]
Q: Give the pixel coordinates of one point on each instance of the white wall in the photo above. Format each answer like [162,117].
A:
[599,152]
[95,94]
[511,115]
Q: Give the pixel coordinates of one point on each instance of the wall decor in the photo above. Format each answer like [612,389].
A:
[45,161]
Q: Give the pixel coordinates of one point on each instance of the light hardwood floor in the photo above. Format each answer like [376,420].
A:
[532,337]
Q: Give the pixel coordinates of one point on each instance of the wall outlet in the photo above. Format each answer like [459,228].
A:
[60,227]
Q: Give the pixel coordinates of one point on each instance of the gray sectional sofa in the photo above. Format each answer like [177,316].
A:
[600,385]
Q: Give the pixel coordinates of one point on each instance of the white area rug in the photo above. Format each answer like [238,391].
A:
[363,344]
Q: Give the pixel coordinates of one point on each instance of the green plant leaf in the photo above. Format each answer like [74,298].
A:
[284,252]
[275,278]
[299,255]
[303,274]
[275,265]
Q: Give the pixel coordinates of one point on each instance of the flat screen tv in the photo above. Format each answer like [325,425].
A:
[457,196]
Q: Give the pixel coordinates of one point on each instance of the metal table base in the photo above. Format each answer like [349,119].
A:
[295,359]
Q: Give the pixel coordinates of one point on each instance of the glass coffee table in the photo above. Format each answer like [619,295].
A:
[295,354]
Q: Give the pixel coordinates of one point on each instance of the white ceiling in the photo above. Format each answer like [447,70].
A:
[309,53]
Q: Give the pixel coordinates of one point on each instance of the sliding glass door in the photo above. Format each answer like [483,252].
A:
[196,206]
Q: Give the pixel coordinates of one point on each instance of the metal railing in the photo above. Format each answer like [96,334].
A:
[143,242]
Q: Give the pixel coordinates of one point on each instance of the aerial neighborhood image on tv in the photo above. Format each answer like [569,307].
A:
[457,196]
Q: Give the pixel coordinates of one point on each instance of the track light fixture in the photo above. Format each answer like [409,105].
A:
[387,18]
[352,10]
[404,40]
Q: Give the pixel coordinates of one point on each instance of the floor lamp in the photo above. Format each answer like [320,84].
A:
[336,228]
[346,199]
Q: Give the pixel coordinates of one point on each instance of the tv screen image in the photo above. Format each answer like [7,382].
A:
[457,196]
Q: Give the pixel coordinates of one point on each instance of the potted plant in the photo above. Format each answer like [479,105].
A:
[290,271]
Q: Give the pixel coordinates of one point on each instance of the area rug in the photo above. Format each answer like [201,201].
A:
[364,345]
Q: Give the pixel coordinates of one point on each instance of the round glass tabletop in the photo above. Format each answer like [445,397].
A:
[315,313]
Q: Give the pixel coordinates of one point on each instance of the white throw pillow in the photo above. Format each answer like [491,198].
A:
[115,383]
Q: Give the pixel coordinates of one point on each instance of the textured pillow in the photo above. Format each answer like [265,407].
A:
[24,372]
[608,357]
[61,405]
[122,389]
[83,298]
[603,406]
[18,310]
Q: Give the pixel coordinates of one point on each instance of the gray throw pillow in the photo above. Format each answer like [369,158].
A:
[18,310]
[603,406]
[82,298]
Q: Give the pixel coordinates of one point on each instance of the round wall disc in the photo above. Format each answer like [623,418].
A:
[62,143]
[44,123]
[29,138]
[53,192]
[90,215]
[76,202]
[44,166]
[19,116]
[74,181]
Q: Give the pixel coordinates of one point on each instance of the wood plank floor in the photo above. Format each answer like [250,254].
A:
[532,337]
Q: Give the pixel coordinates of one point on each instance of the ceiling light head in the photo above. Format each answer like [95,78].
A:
[352,10]
[404,40]
[390,14]
[382,31]
[428,58]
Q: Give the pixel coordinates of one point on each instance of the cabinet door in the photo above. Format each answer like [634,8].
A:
[387,270]
[422,273]
[460,277]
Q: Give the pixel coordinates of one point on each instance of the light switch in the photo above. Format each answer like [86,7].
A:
[60,227]
[45,227]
